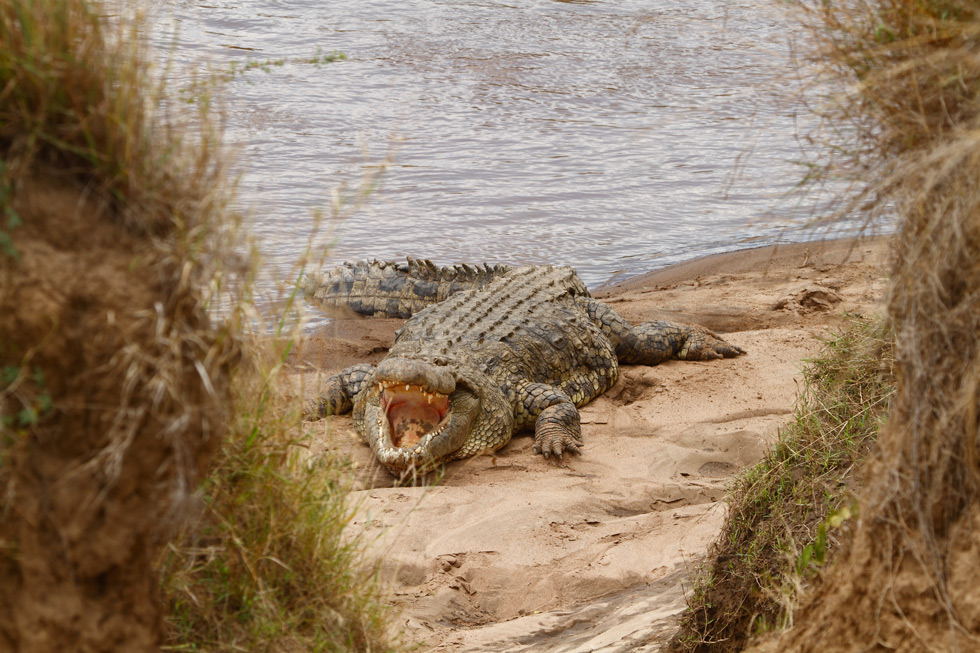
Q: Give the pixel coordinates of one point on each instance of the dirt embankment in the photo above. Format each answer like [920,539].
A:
[110,424]
[515,552]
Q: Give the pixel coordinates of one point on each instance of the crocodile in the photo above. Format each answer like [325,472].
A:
[486,352]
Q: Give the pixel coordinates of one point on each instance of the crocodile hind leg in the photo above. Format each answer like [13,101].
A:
[339,392]
[555,419]
[651,343]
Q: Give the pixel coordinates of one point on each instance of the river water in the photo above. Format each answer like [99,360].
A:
[602,135]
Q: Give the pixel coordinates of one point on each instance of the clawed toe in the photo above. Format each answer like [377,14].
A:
[556,449]
[704,344]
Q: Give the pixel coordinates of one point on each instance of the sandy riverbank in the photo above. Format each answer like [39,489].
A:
[515,552]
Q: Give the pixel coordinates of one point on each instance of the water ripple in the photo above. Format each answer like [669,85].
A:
[596,134]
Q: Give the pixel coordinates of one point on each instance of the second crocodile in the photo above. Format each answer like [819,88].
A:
[487,352]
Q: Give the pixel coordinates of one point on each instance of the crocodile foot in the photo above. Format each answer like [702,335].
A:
[557,431]
[702,344]
[338,392]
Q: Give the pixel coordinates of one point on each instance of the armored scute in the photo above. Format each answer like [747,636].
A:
[486,352]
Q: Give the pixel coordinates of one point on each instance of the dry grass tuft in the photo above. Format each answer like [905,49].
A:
[907,120]
[78,98]
[115,235]
[119,382]
[902,124]
[897,80]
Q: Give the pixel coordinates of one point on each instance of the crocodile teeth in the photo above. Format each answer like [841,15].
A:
[414,414]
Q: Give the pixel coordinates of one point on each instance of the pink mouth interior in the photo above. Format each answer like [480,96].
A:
[412,412]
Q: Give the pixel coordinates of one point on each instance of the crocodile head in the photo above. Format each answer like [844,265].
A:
[417,414]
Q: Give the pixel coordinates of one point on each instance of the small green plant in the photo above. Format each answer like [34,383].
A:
[9,218]
[814,554]
[24,403]
[199,90]
[320,58]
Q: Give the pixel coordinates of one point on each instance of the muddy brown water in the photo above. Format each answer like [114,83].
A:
[601,135]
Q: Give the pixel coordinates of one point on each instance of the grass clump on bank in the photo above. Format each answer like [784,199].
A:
[906,118]
[266,566]
[903,117]
[122,389]
[785,513]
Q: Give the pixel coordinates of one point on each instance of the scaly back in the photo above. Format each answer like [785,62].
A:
[394,289]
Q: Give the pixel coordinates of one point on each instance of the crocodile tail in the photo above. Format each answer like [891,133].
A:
[395,289]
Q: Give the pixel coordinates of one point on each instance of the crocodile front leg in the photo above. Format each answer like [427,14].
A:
[651,343]
[339,392]
[555,419]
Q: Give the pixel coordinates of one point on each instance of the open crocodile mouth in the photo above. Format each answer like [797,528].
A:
[412,412]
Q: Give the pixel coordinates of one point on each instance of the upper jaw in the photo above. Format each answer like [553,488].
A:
[436,378]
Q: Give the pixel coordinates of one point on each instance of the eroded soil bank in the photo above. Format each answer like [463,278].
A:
[514,552]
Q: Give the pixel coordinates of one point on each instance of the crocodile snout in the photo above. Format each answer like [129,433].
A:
[412,372]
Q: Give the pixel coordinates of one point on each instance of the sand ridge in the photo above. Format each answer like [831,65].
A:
[591,553]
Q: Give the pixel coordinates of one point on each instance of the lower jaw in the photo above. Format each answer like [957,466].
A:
[400,465]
